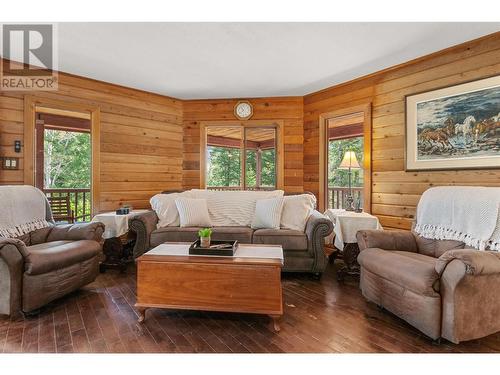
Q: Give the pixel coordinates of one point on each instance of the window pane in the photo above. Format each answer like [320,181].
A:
[223,157]
[67,159]
[260,145]
[345,134]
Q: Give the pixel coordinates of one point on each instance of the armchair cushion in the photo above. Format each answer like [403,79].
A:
[412,271]
[476,262]
[50,256]
[387,240]
[75,232]
[436,248]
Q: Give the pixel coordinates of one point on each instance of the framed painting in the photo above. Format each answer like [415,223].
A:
[456,127]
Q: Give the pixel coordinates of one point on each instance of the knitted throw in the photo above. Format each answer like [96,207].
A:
[22,210]
[463,213]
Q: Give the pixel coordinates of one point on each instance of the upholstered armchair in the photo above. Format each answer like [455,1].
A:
[439,286]
[46,264]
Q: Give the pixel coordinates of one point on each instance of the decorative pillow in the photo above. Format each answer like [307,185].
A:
[296,211]
[267,213]
[165,208]
[193,212]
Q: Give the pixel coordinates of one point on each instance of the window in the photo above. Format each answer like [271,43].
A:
[338,178]
[345,178]
[240,157]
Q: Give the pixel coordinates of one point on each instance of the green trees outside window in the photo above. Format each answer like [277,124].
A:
[68,165]
[336,150]
[224,167]
[268,168]
[67,159]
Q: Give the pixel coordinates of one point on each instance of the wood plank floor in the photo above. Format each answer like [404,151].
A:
[320,316]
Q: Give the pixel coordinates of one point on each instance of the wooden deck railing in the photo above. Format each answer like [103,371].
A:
[80,201]
[338,194]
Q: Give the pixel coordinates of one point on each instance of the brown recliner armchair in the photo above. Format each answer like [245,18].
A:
[46,264]
[439,286]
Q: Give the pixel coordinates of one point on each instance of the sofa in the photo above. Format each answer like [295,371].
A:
[48,263]
[303,249]
[441,287]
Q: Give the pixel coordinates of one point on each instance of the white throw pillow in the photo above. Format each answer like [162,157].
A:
[296,211]
[165,208]
[193,212]
[268,213]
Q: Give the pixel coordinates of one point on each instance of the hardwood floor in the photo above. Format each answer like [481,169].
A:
[320,316]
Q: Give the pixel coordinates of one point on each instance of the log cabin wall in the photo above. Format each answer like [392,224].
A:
[286,109]
[151,142]
[141,138]
[395,193]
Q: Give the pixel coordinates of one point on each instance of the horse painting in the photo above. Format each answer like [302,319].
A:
[459,126]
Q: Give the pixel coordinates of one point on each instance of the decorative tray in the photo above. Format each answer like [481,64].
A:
[221,248]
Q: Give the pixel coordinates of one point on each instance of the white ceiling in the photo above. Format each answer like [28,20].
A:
[237,60]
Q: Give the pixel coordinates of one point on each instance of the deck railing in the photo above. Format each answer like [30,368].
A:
[79,200]
[338,194]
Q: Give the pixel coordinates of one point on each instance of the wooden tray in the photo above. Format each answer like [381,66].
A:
[196,249]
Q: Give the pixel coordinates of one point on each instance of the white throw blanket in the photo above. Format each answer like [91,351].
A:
[232,208]
[22,210]
[462,213]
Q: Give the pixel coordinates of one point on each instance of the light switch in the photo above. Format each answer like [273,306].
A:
[10,163]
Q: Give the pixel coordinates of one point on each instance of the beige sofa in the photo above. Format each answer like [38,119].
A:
[303,250]
[439,286]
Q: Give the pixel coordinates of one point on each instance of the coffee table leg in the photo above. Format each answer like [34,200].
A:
[276,322]
[142,314]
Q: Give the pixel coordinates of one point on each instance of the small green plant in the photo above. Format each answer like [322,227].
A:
[205,232]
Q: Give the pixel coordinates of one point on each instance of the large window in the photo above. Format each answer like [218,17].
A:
[241,157]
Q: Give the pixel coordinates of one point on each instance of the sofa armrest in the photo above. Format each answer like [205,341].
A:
[12,253]
[142,225]
[386,240]
[75,232]
[318,226]
[476,262]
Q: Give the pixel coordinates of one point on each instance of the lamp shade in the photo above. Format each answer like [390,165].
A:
[349,161]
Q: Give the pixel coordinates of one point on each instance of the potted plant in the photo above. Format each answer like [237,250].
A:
[205,234]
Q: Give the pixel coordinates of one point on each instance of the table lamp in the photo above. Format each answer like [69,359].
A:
[349,162]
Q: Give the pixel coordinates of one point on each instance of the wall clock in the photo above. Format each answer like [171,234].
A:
[243,110]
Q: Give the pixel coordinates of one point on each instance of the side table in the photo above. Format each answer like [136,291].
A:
[118,241]
[345,226]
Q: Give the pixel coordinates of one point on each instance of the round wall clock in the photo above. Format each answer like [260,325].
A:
[243,110]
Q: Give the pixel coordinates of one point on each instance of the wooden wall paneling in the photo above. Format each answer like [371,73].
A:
[11,129]
[140,138]
[395,193]
[288,111]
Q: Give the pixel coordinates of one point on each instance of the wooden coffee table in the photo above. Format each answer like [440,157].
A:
[248,282]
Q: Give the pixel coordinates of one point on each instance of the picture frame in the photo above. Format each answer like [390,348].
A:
[454,127]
